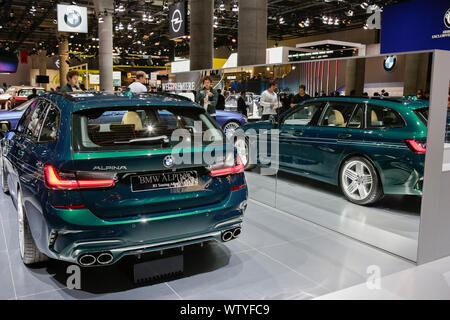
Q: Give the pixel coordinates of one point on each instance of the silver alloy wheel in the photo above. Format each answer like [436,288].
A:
[230,128]
[20,215]
[357,180]
[242,149]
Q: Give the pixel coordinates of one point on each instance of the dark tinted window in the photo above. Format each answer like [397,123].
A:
[383,117]
[26,116]
[337,114]
[35,120]
[50,125]
[302,115]
[422,114]
[357,120]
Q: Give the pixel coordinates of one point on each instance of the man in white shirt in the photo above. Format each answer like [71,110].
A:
[269,101]
[139,85]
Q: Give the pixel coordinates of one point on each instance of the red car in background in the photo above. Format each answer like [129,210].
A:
[16,95]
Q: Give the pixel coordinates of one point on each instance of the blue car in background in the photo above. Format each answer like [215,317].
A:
[14,115]
[228,120]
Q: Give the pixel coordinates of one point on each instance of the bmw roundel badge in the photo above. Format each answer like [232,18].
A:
[389,63]
[168,162]
[72,18]
[447,18]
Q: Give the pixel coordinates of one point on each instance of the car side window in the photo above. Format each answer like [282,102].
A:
[26,117]
[34,123]
[357,119]
[383,117]
[50,125]
[303,115]
[337,114]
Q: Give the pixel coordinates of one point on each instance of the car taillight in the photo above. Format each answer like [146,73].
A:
[416,146]
[54,181]
[238,168]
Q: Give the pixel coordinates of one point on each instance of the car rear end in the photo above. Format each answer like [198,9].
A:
[125,191]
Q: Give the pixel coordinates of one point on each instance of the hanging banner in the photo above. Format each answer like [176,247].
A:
[23,56]
[178,20]
[72,19]
[416,25]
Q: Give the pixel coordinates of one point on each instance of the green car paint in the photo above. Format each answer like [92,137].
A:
[68,224]
[318,151]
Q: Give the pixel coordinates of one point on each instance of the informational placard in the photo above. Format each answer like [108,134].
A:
[178,20]
[94,78]
[117,79]
[72,18]
[416,25]
[178,86]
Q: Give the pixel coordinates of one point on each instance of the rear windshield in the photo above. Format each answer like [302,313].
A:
[422,114]
[139,128]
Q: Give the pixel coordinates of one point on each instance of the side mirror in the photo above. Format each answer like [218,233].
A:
[5,126]
[273,119]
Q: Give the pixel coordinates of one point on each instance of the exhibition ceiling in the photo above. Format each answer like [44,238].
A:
[141,26]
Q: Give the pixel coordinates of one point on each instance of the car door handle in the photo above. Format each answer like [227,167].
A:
[21,152]
[344,135]
[298,133]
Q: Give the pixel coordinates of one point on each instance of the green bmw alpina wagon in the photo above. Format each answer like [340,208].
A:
[94,177]
[368,147]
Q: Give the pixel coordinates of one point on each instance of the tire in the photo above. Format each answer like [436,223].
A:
[359,181]
[29,253]
[231,126]
[243,149]
[4,178]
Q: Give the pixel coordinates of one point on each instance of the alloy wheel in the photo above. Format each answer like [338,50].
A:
[230,128]
[242,149]
[357,180]
[20,214]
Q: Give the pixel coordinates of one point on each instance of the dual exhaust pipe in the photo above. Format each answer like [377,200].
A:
[89,259]
[231,234]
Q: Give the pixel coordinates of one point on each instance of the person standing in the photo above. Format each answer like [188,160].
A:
[241,105]
[138,86]
[33,94]
[220,100]
[208,97]
[269,102]
[301,96]
[72,82]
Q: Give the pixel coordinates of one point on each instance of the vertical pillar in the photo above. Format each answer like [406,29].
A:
[105,35]
[416,73]
[354,76]
[63,57]
[43,64]
[252,32]
[202,34]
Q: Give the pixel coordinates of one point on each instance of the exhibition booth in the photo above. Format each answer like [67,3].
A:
[394,222]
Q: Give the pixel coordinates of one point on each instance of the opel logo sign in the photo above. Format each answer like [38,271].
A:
[177,20]
[389,63]
[168,162]
[447,19]
[72,18]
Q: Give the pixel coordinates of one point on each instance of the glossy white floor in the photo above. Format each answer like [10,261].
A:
[278,256]
[392,224]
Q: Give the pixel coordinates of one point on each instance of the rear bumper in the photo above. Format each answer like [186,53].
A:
[67,239]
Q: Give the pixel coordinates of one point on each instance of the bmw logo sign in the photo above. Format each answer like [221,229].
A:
[72,18]
[168,162]
[389,63]
[447,18]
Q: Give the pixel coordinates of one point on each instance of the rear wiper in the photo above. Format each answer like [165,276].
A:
[164,139]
